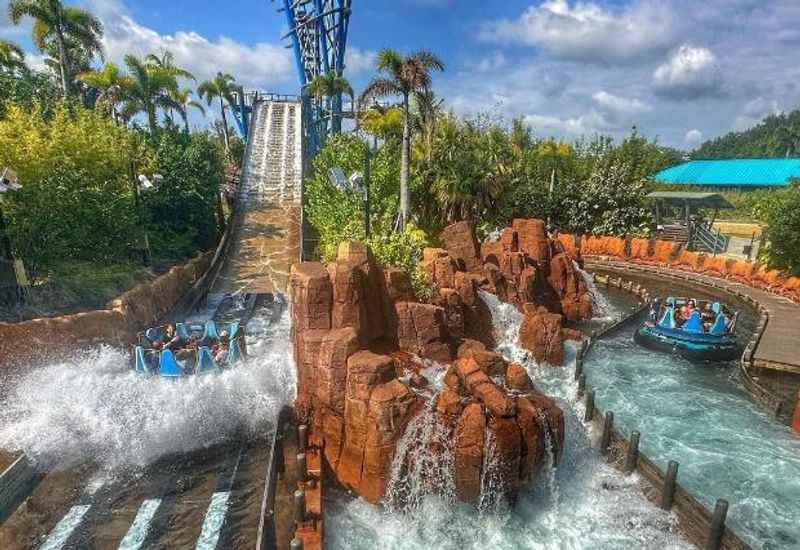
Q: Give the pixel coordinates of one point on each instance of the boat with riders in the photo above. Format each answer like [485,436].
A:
[188,349]
[695,329]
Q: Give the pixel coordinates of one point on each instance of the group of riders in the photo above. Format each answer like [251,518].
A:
[185,348]
[708,315]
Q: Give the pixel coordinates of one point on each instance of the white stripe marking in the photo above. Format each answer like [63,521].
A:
[141,525]
[64,528]
[215,515]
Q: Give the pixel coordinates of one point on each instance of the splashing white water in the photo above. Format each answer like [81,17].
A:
[424,463]
[96,408]
[491,500]
[603,309]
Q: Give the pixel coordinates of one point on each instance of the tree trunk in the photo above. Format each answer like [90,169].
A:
[151,119]
[404,162]
[225,128]
[63,61]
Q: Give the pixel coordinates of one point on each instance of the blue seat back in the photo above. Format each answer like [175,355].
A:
[210,332]
[233,330]
[168,366]
[716,308]
[141,364]
[668,319]
[205,361]
[719,327]
[182,332]
[234,352]
[693,323]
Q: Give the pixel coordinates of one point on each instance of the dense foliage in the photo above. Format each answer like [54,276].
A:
[781,212]
[777,136]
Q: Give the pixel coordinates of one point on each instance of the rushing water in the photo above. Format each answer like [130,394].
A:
[726,445]
[95,407]
[583,503]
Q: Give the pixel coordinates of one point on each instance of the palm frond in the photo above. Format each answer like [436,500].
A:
[380,87]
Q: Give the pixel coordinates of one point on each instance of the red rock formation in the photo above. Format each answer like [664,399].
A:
[540,333]
[360,402]
[459,240]
[796,417]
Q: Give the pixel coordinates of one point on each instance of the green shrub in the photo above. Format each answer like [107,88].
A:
[781,211]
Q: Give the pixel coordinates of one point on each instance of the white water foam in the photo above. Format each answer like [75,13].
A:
[603,309]
[96,408]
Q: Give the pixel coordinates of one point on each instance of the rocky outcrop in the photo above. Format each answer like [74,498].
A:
[359,337]
[796,416]
[541,334]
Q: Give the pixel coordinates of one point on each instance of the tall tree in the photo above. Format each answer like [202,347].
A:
[148,88]
[183,100]
[330,86]
[427,107]
[221,87]
[63,27]
[12,58]
[403,76]
[110,84]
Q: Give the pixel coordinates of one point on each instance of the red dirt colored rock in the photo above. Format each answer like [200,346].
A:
[459,240]
[533,240]
[540,334]
[468,452]
[495,400]
[448,403]
[517,378]
[312,296]
[421,330]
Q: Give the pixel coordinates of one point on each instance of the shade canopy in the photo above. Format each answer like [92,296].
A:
[696,200]
[742,173]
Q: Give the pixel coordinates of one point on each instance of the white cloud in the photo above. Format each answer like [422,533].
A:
[571,127]
[693,138]
[358,61]
[690,72]
[754,111]
[585,31]
[621,105]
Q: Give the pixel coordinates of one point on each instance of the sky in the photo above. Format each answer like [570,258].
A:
[681,71]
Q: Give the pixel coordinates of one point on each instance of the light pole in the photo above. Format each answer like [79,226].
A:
[143,184]
[358,181]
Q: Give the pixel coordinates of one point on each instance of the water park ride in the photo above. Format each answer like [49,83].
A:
[667,330]
[194,355]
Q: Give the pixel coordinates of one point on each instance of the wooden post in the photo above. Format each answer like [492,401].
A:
[299,506]
[581,385]
[302,438]
[589,406]
[303,467]
[578,367]
[296,544]
[632,456]
[605,439]
[668,494]
[717,529]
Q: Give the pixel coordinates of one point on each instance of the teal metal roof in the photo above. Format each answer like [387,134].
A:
[732,173]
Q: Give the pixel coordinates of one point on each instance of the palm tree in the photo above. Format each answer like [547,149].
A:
[147,89]
[183,100]
[427,109]
[331,86]
[222,88]
[110,83]
[64,27]
[403,76]
[12,58]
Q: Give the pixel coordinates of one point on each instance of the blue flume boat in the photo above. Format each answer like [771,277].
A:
[197,341]
[713,340]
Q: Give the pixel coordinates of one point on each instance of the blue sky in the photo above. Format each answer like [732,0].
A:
[679,70]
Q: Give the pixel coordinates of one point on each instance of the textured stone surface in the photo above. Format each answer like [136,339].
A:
[459,240]
[540,333]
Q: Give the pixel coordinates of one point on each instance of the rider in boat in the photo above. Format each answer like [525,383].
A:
[221,348]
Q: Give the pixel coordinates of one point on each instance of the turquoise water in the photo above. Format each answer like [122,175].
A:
[701,417]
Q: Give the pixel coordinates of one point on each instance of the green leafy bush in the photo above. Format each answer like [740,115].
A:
[781,211]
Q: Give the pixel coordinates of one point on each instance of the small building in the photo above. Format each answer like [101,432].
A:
[734,174]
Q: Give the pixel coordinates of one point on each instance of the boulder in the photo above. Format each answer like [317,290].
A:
[468,452]
[448,403]
[495,399]
[540,334]
[533,240]
[421,330]
[312,296]
[517,378]
[336,346]
[459,240]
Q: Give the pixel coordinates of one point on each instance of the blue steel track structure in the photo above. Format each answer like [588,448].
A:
[318,35]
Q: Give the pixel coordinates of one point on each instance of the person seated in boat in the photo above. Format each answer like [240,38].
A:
[173,340]
[708,317]
[152,355]
[221,348]
[685,312]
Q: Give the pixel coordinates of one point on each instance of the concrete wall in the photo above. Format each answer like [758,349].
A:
[41,339]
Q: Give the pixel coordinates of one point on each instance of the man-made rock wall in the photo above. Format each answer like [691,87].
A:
[358,337]
[47,338]
[673,255]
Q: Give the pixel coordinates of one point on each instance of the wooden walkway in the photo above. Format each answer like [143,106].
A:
[267,237]
[773,354]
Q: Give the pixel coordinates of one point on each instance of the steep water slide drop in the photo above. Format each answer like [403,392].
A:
[138,463]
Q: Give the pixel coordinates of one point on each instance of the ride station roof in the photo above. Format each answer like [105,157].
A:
[732,173]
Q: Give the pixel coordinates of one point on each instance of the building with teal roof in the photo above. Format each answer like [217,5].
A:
[739,174]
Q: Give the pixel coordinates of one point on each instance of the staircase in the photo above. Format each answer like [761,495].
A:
[705,240]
